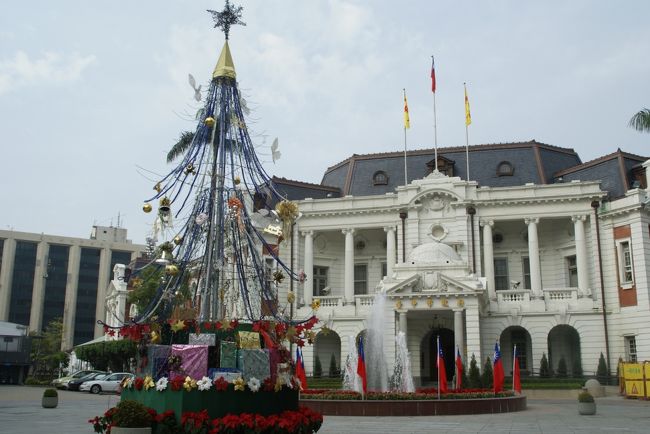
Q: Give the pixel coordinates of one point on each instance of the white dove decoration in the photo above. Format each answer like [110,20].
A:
[275,154]
[197,90]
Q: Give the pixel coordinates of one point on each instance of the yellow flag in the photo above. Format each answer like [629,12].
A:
[407,122]
[468,116]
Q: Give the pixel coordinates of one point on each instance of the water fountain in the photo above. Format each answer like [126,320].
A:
[350,377]
[374,345]
[402,380]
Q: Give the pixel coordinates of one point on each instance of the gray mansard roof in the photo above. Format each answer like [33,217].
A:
[524,162]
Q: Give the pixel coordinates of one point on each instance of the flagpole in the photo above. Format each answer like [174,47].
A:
[514,360]
[438,363]
[406,114]
[435,124]
[466,137]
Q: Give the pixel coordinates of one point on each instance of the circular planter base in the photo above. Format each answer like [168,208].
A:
[50,401]
[587,408]
[416,408]
[119,430]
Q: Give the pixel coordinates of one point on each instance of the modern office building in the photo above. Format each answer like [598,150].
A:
[43,277]
[537,249]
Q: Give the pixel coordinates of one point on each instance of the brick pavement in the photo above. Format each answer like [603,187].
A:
[21,413]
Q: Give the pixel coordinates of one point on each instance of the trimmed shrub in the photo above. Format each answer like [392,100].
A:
[318,368]
[544,370]
[334,370]
[50,393]
[487,378]
[602,372]
[576,369]
[561,368]
[474,374]
[131,414]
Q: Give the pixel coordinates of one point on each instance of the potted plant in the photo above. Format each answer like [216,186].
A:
[131,417]
[586,403]
[50,398]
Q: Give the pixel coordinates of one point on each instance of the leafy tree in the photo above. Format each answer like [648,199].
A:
[602,372]
[641,121]
[115,356]
[544,370]
[318,369]
[334,370]
[487,379]
[474,374]
[561,368]
[46,354]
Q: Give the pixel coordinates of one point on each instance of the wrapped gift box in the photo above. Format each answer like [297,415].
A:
[227,374]
[274,359]
[248,340]
[228,355]
[254,363]
[214,355]
[202,339]
[194,360]
[158,355]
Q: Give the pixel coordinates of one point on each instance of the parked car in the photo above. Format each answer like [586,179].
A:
[62,382]
[75,383]
[110,383]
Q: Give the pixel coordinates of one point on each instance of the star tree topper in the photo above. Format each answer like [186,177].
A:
[227,17]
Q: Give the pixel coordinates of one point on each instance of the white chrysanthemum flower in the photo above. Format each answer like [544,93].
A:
[254,384]
[161,384]
[204,383]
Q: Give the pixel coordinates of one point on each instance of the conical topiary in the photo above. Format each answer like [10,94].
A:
[602,372]
[474,374]
[318,368]
[544,370]
[487,378]
[561,368]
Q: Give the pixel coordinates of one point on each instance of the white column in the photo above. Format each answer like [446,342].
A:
[38,294]
[103,280]
[402,322]
[6,277]
[308,289]
[533,257]
[390,250]
[349,265]
[581,254]
[459,333]
[473,327]
[488,258]
[70,306]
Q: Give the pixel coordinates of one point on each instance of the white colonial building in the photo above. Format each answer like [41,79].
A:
[537,249]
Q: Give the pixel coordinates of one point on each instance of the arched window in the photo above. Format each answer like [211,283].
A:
[505,168]
[380,178]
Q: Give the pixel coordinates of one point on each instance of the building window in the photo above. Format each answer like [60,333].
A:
[572,270]
[625,270]
[380,178]
[525,262]
[519,338]
[320,280]
[630,348]
[505,168]
[360,279]
[501,274]
[384,269]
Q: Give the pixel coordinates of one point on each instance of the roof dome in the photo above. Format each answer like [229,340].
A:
[434,253]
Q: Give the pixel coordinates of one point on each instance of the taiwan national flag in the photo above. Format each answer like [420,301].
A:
[516,375]
[442,373]
[361,367]
[433,75]
[498,369]
[459,369]
[300,369]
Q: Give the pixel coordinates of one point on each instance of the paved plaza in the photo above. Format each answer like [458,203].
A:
[21,413]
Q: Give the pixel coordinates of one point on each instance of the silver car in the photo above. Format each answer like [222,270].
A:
[110,383]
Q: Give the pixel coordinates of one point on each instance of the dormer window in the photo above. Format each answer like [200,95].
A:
[505,168]
[380,178]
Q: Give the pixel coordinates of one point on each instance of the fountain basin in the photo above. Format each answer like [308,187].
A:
[427,407]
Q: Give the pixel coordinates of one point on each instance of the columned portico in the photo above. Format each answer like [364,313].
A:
[6,275]
[390,250]
[488,254]
[402,322]
[70,306]
[308,289]
[349,266]
[38,296]
[581,254]
[533,255]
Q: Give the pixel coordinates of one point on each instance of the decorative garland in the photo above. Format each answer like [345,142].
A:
[205,383]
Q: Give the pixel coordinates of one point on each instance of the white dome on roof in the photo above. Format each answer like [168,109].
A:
[434,253]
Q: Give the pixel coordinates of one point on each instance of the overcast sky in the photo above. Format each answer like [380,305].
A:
[93,94]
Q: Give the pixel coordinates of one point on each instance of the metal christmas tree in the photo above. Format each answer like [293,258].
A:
[222,202]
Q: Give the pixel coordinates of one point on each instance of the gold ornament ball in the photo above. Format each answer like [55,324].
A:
[237,180]
[147,207]
[209,121]
[178,239]
[171,269]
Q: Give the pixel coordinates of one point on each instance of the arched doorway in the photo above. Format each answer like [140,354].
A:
[519,336]
[564,341]
[428,354]
[327,345]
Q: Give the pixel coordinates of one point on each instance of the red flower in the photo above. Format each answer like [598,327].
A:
[139,382]
[177,383]
[221,384]
[207,325]
[268,385]
[234,323]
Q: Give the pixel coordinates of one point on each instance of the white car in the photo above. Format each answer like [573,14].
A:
[110,383]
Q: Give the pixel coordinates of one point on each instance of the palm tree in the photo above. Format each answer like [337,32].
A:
[179,148]
[641,121]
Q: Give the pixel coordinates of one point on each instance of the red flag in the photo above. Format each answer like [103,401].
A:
[442,373]
[300,369]
[498,369]
[361,367]
[516,376]
[433,75]
[459,369]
